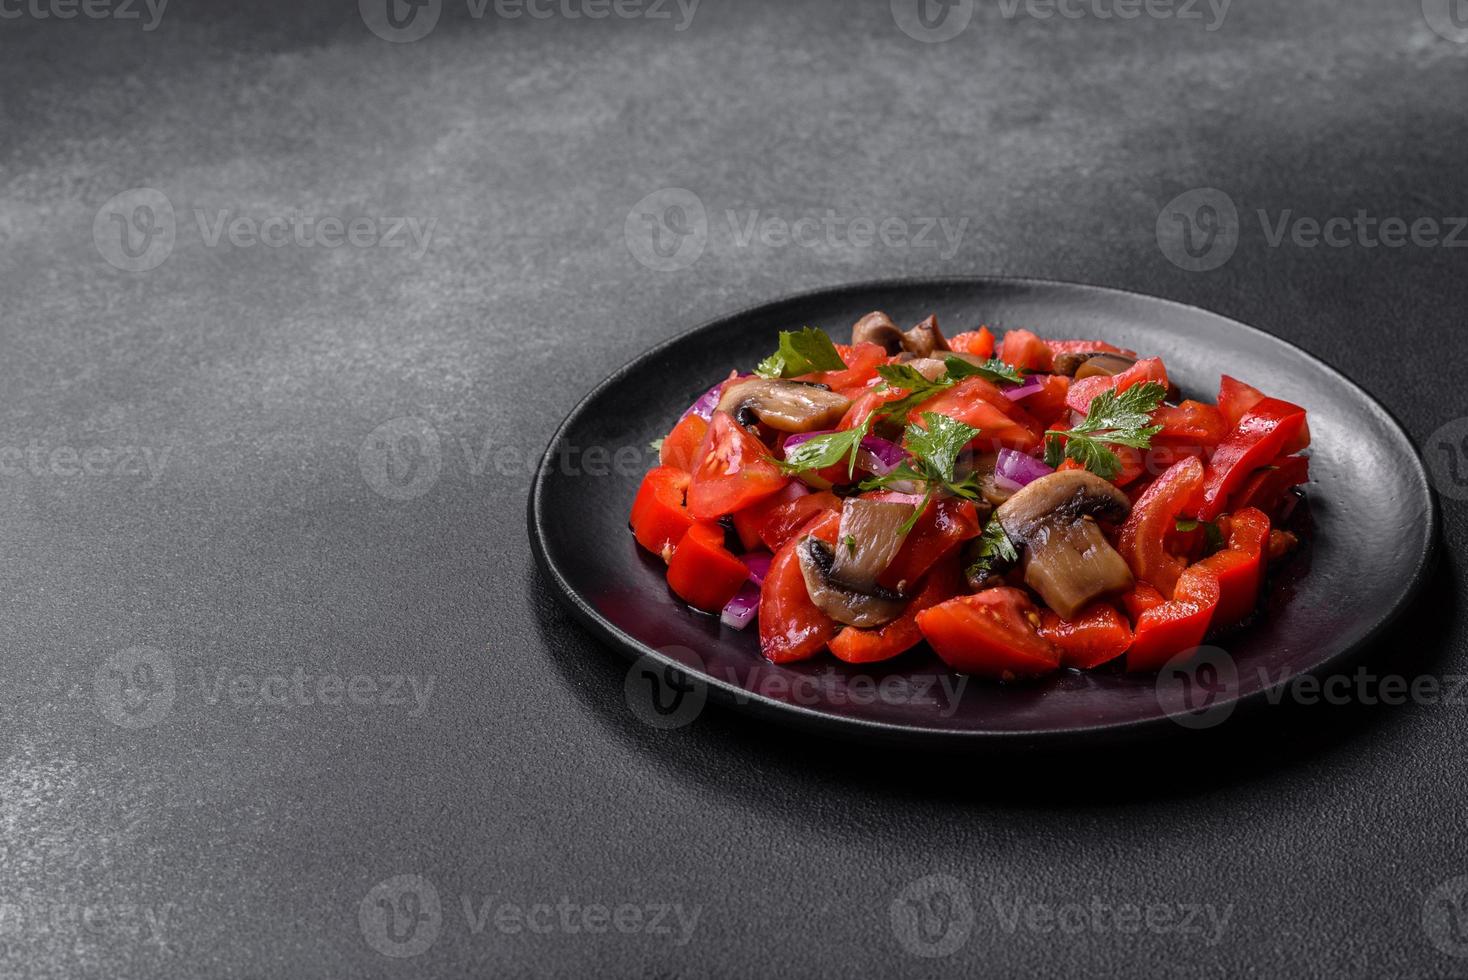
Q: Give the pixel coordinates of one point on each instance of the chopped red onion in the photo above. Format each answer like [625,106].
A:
[1014,470]
[758,563]
[1032,385]
[709,400]
[879,456]
[742,608]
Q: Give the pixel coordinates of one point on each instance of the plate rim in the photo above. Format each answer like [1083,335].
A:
[757,704]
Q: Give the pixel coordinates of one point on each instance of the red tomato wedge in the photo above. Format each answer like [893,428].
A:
[1087,347]
[734,471]
[659,518]
[976,402]
[791,628]
[1097,636]
[775,521]
[979,343]
[1047,406]
[1235,399]
[991,634]
[1189,426]
[1173,627]
[680,447]
[1269,429]
[1084,391]
[1143,538]
[858,646]
[1239,568]
[862,361]
[1023,350]
[702,572]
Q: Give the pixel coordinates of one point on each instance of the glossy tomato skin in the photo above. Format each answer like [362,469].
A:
[978,343]
[1087,347]
[1143,538]
[1098,635]
[702,572]
[1268,430]
[1176,626]
[680,447]
[791,627]
[1023,350]
[1239,568]
[1235,400]
[858,646]
[862,361]
[1084,391]
[734,471]
[990,634]
[659,517]
[776,521]
[1191,427]
[1003,424]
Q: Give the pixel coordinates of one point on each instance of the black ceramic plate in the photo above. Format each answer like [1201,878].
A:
[1373,512]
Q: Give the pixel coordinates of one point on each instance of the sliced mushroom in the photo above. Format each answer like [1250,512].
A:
[1067,558]
[929,367]
[868,540]
[925,339]
[861,609]
[789,406]
[878,328]
[992,492]
[1071,363]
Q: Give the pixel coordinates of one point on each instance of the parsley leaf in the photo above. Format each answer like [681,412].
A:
[992,550]
[827,450]
[1185,525]
[800,353]
[850,542]
[656,445]
[1118,420]
[940,443]
[992,370]
[1212,533]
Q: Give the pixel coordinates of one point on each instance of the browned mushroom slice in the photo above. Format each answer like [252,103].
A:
[1078,364]
[788,406]
[860,609]
[925,339]
[878,328]
[868,540]
[1067,558]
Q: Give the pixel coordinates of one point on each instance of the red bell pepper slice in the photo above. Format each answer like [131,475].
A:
[1236,399]
[1141,598]
[1098,635]
[991,634]
[1143,538]
[1268,488]
[1270,429]
[1239,568]
[702,572]
[734,471]
[680,447]
[858,646]
[1167,630]
[659,517]
[979,343]
[1025,351]
[791,627]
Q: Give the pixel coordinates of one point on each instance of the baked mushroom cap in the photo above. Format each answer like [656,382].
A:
[789,406]
[865,610]
[1067,558]
[923,340]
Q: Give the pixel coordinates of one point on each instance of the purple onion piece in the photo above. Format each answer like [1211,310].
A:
[1032,385]
[709,400]
[758,563]
[1014,470]
[742,608]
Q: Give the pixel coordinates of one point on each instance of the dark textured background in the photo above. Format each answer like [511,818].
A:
[256,831]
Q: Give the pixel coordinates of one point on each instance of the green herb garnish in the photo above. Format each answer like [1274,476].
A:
[850,542]
[1212,533]
[827,450]
[992,549]
[656,445]
[992,370]
[1117,420]
[935,451]
[802,352]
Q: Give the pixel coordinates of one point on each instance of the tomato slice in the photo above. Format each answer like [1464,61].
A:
[659,518]
[702,572]
[1268,488]
[976,402]
[1239,568]
[1084,391]
[680,447]
[945,524]
[1173,627]
[1025,351]
[791,627]
[775,521]
[1269,429]
[735,470]
[991,634]
[1098,635]
[1047,405]
[1236,399]
[858,646]
[1143,538]
[1188,427]
[862,361]
[978,343]
[1087,347]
